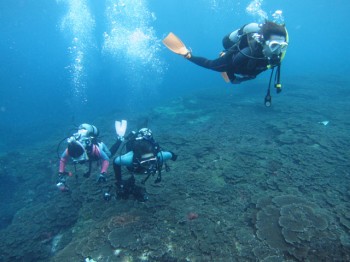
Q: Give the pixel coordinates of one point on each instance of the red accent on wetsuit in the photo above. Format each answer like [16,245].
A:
[96,154]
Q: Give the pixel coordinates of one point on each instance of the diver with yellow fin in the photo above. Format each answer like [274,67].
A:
[250,50]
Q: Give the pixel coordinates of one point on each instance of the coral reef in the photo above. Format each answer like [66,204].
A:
[294,225]
[250,184]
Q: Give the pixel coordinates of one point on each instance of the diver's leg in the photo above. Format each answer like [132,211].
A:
[114,148]
[123,187]
[117,173]
[221,64]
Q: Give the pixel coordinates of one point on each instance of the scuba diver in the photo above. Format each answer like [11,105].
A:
[83,147]
[248,51]
[143,156]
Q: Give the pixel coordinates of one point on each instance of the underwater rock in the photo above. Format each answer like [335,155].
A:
[274,258]
[192,215]
[288,138]
[345,240]
[345,222]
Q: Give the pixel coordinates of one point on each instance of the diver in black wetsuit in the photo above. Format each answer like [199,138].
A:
[144,157]
[249,51]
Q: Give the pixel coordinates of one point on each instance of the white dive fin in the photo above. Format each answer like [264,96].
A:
[120,127]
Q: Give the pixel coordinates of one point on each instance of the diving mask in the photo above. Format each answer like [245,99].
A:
[149,164]
[77,150]
[276,47]
[82,156]
[81,159]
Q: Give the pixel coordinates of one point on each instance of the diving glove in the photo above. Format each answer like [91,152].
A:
[102,178]
[61,182]
[107,196]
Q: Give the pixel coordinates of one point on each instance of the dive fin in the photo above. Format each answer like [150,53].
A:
[120,127]
[174,44]
[224,74]
[225,77]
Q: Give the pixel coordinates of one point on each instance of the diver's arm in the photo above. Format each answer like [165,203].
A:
[104,167]
[102,146]
[63,161]
[105,164]
[103,156]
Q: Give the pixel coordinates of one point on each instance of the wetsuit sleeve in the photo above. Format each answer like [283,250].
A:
[63,160]
[105,162]
[124,160]
[103,156]
[104,148]
[221,64]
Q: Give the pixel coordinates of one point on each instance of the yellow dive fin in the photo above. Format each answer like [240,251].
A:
[224,74]
[175,44]
[225,77]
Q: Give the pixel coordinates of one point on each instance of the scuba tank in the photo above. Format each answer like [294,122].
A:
[91,130]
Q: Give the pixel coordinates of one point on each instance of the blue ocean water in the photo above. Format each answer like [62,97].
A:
[64,62]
